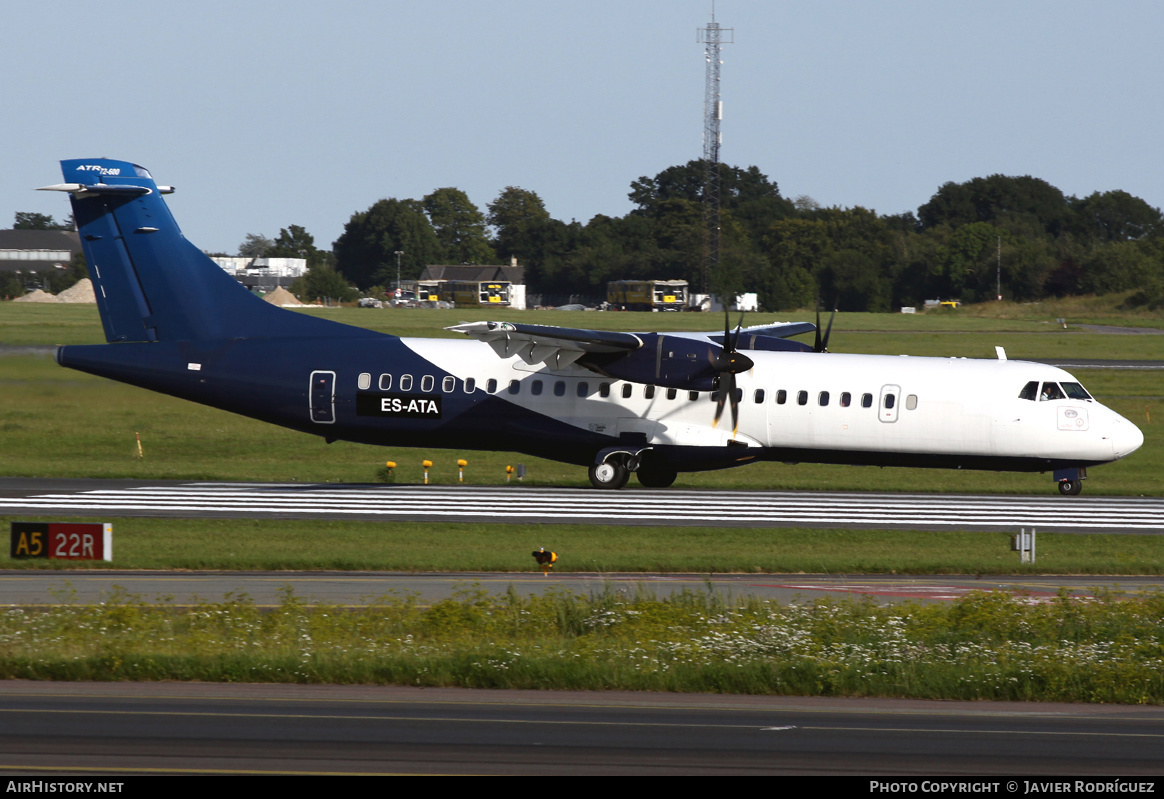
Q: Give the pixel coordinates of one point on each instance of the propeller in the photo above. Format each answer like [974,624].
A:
[822,344]
[728,363]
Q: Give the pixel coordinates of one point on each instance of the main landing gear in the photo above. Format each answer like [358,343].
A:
[614,467]
[611,474]
[1070,488]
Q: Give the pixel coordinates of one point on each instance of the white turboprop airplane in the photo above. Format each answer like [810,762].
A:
[617,403]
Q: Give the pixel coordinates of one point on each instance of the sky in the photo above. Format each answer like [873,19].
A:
[265,113]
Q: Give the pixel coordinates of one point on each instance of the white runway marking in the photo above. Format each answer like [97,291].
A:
[552,505]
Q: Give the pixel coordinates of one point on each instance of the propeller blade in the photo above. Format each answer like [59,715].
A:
[728,362]
[735,403]
[720,396]
[817,345]
[822,343]
[828,331]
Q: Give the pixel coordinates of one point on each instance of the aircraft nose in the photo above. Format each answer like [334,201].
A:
[1126,438]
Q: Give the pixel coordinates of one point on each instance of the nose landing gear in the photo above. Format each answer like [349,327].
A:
[1070,481]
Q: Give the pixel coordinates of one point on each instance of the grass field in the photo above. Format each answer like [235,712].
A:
[984,646]
[61,423]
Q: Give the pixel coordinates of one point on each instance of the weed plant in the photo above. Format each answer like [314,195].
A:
[989,645]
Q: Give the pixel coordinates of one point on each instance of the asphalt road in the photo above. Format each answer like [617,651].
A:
[110,729]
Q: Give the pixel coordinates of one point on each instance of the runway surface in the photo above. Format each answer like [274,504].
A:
[522,504]
[108,729]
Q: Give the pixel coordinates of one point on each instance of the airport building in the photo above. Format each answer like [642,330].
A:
[33,254]
[262,274]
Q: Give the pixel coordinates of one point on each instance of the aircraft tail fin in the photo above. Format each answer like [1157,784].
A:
[151,283]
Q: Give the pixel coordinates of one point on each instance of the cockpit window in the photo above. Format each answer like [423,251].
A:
[1051,391]
[1030,391]
[1075,391]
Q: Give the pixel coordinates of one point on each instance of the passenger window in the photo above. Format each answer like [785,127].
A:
[693,396]
[364,381]
[583,389]
[672,393]
[890,399]
[759,395]
[846,399]
[627,388]
[1051,391]
[491,385]
[649,392]
[866,400]
[911,402]
[604,389]
[802,398]
[535,388]
[559,388]
[406,382]
[514,386]
[427,382]
[781,397]
[448,384]
[822,399]
[1030,391]
[385,382]
[470,385]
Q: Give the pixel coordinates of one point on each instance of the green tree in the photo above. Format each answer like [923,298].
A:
[29,220]
[323,282]
[296,242]
[1020,204]
[459,226]
[365,252]
[515,216]
[1118,266]
[255,246]
[1114,216]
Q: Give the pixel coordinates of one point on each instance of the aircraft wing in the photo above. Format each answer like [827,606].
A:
[558,347]
[776,330]
[680,360]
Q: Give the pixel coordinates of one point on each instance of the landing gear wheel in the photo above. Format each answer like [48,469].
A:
[657,476]
[611,475]
[1070,488]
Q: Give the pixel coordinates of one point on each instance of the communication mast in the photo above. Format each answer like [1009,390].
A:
[712,36]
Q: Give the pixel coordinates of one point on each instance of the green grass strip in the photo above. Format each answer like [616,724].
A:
[988,645]
[272,544]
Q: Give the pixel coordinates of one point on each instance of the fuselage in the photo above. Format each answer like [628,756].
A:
[830,408]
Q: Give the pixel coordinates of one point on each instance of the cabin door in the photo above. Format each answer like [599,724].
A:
[322,397]
[887,407]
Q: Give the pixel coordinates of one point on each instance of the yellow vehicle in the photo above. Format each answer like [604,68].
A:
[473,292]
[428,290]
[647,295]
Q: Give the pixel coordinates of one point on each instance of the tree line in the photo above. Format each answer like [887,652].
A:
[1020,230]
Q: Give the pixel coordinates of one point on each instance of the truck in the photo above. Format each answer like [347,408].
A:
[647,295]
[475,292]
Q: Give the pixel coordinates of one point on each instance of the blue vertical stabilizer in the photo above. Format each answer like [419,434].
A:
[151,283]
